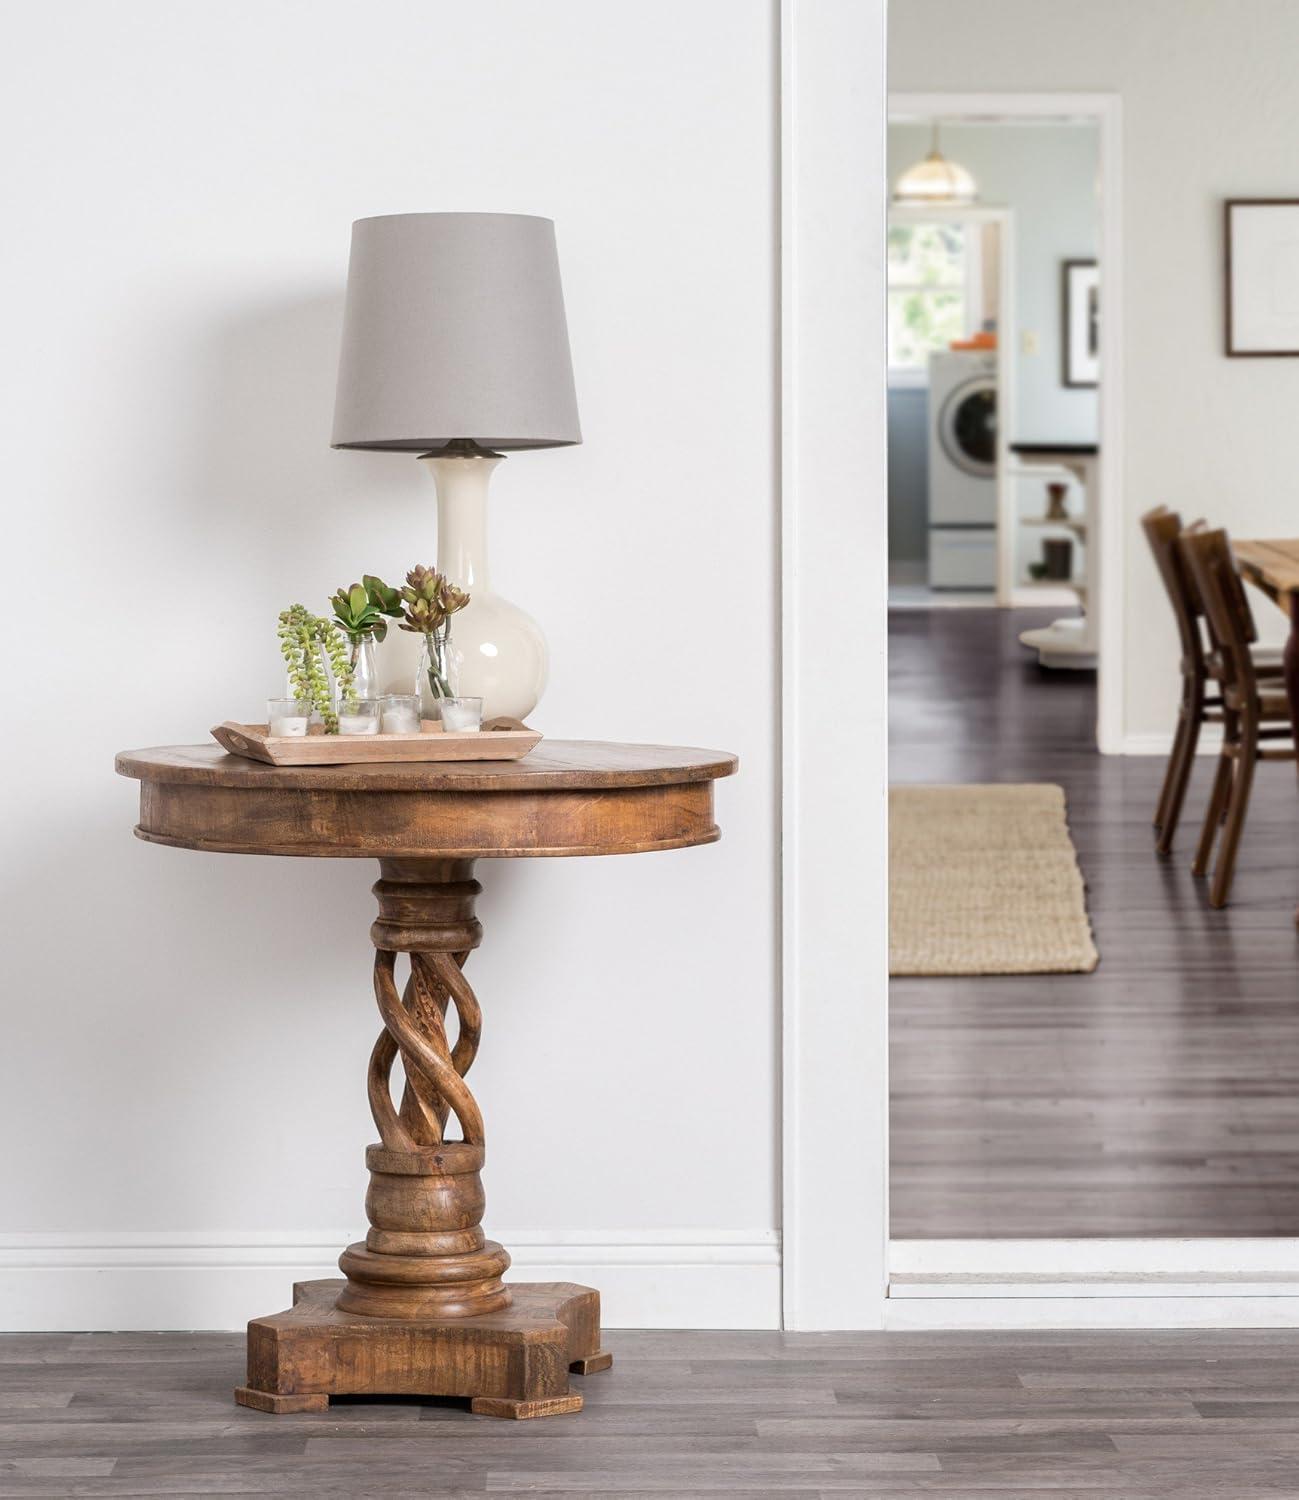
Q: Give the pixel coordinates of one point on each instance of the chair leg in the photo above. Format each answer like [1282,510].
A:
[1213,814]
[1180,762]
[1165,790]
[1234,823]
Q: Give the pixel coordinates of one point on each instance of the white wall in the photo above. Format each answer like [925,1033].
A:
[186,1035]
[1207,91]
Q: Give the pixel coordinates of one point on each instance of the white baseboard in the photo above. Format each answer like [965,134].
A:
[1100,1283]
[1068,1260]
[1044,598]
[646,1278]
[1161,744]
[1237,1308]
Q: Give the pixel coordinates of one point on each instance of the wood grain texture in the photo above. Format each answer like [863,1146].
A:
[1272,566]
[433,743]
[979,1416]
[566,798]
[424,1309]
[1250,715]
[1156,1096]
[579,765]
[517,1353]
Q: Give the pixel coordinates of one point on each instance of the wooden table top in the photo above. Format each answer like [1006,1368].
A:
[591,764]
[1272,565]
[567,797]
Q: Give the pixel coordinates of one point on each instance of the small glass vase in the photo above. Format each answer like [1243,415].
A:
[438,676]
[365,670]
[317,666]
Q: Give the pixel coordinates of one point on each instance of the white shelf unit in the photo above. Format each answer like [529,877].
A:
[1070,643]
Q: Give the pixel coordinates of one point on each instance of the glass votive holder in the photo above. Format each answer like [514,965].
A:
[400,713]
[358,715]
[461,715]
[287,718]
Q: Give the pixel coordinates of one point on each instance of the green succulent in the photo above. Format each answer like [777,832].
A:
[301,635]
[360,609]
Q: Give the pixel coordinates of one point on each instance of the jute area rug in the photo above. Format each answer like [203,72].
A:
[985,880]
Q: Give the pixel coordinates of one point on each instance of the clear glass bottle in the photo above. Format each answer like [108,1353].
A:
[365,671]
[438,676]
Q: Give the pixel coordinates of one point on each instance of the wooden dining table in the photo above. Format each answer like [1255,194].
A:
[1272,566]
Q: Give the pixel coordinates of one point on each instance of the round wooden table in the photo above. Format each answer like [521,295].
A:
[423,1309]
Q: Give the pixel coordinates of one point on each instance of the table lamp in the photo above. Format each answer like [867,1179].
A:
[455,348]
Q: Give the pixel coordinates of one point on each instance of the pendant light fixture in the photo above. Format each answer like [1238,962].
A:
[935,180]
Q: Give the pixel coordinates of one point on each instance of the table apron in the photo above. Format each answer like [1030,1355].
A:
[375,824]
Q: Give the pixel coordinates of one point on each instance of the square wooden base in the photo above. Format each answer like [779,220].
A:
[511,1363]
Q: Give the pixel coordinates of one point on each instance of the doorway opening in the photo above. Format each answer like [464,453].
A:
[1039,1119]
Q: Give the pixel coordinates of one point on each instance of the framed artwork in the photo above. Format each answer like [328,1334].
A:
[1080,341]
[1261,257]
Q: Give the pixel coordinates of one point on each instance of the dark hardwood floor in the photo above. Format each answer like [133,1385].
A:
[1128,1416]
[1157,1096]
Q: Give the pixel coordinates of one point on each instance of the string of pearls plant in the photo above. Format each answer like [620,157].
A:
[301,634]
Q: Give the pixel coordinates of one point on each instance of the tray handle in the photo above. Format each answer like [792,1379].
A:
[234,738]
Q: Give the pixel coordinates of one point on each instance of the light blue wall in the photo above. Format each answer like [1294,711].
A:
[908,474]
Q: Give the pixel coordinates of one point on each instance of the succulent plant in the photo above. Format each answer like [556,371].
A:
[301,634]
[430,600]
[451,598]
[360,609]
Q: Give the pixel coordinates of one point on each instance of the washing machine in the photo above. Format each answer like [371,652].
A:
[963,470]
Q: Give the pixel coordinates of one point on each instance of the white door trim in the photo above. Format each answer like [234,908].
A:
[1095,1283]
[834,590]
[834,767]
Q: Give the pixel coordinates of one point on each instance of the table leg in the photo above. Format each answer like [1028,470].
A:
[424,1310]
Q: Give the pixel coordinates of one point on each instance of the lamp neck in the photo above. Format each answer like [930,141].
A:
[462,516]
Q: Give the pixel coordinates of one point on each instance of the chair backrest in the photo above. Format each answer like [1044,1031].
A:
[1212,571]
[1163,529]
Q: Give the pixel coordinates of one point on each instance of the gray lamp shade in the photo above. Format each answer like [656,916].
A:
[453,329]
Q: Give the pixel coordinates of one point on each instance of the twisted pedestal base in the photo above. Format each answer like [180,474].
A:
[424,1310]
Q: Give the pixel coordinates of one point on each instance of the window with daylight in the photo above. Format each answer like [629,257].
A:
[933,283]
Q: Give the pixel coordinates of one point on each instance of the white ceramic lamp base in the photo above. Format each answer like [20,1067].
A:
[502,652]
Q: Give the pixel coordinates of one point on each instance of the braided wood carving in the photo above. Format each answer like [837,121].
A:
[425,1253]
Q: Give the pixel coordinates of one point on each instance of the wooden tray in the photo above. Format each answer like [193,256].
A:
[503,739]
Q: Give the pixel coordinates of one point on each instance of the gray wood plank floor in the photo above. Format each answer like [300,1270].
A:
[1142,1416]
[1157,1096]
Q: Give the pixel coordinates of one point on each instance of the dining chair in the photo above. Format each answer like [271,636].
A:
[1163,528]
[1197,666]
[1253,707]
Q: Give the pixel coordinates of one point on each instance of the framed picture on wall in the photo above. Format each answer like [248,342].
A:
[1080,342]
[1262,273]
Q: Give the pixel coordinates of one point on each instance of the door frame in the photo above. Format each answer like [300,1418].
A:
[834,730]
[834,771]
